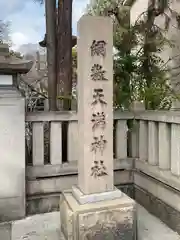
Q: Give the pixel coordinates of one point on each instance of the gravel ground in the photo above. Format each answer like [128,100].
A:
[46,227]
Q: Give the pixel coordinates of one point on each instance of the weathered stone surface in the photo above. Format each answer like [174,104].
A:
[42,204]
[10,64]
[114,218]
[6,80]
[47,227]
[160,209]
[128,189]
[151,228]
[12,137]
[37,227]
[112,224]
[5,231]
[12,208]
[94,209]
[12,148]
[95,104]
[96,197]
[50,202]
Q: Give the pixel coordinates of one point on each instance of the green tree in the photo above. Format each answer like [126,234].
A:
[139,71]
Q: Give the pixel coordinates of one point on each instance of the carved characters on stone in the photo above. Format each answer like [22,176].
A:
[99,143]
[99,169]
[108,229]
[98,116]
[98,97]
[98,120]
[97,73]
[98,48]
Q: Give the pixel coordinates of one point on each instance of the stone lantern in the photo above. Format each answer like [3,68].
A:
[11,66]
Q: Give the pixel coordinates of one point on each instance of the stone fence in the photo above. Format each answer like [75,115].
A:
[46,179]
[146,160]
[146,154]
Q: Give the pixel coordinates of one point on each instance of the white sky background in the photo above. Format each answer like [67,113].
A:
[28,21]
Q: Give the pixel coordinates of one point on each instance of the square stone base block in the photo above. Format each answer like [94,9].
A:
[104,220]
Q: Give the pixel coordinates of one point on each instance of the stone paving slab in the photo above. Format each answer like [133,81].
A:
[38,227]
[46,227]
[151,228]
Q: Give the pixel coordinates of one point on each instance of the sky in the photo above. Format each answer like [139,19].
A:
[27,20]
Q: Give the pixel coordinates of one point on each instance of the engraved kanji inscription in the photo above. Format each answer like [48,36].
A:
[98,48]
[99,144]
[98,120]
[97,73]
[99,169]
[98,97]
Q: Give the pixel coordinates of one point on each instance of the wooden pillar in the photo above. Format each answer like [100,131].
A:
[50,6]
[64,53]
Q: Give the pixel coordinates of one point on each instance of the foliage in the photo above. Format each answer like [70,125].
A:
[139,71]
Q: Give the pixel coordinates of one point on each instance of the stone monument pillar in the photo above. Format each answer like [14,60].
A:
[95,209]
[12,137]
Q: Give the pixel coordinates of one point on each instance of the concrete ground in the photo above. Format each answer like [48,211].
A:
[47,227]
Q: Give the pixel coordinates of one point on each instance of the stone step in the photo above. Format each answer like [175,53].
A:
[47,227]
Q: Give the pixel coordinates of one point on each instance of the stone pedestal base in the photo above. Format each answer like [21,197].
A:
[110,219]
[95,197]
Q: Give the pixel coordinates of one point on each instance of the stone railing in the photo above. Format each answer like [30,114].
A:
[55,121]
[147,141]
[59,171]
[151,136]
[157,168]
[159,141]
